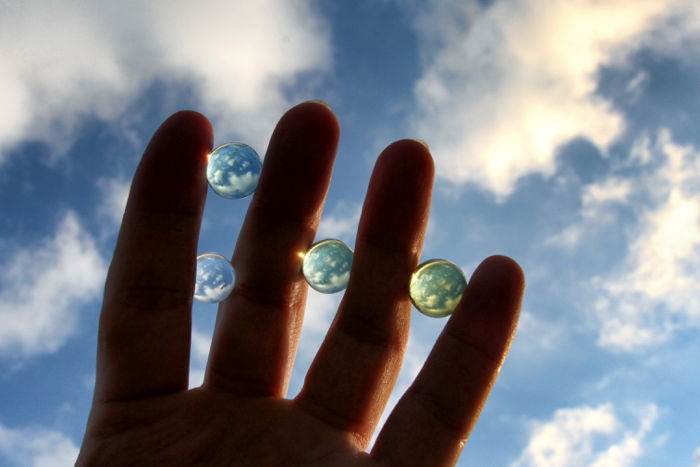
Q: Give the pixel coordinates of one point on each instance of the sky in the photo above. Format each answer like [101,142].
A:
[564,133]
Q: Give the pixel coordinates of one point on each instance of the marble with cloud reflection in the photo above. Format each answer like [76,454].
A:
[437,287]
[233,170]
[215,278]
[327,266]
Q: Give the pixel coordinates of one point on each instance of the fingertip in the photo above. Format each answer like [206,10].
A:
[397,204]
[314,114]
[176,156]
[190,117]
[191,125]
[186,135]
[318,101]
[408,155]
[299,159]
[487,315]
[503,269]
[498,281]
[423,142]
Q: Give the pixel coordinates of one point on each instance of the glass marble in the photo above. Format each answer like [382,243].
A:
[327,266]
[437,287]
[215,278]
[233,170]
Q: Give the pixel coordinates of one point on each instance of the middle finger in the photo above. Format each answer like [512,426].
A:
[258,326]
[352,376]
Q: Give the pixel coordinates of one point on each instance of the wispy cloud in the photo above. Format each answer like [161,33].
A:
[201,343]
[598,209]
[340,223]
[318,316]
[239,59]
[115,192]
[505,85]
[594,436]
[537,335]
[655,291]
[417,351]
[44,287]
[36,447]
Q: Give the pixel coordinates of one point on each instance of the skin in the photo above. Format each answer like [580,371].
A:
[143,412]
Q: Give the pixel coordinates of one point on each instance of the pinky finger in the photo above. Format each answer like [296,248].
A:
[433,419]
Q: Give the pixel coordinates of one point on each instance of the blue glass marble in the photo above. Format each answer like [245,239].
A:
[233,170]
[437,287]
[215,278]
[327,266]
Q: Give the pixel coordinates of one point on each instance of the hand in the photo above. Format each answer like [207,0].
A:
[143,413]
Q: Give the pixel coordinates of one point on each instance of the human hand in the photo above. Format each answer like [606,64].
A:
[143,413]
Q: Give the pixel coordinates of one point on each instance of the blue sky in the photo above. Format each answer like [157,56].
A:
[565,134]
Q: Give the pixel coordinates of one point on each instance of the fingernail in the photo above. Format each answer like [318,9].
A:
[422,142]
[318,101]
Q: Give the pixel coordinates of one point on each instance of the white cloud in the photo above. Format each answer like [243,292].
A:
[505,85]
[594,436]
[36,447]
[198,358]
[341,223]
[537,335]
[696,458]
[62,61]
[598,203]
[631,446]
[115,192]
[318,316]
[44,287]
[654,292]
[416,353]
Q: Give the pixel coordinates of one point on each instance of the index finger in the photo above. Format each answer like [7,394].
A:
[144,334]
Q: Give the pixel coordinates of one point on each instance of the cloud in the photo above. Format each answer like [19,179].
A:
[318,316]
[341,223]
[654,292]
[44,287]
[200,354]
[696,458]
[537,335]
[593,436]
[505,85]
[115,192]
[598,209]
[63,61]
[36,447]
[417,351]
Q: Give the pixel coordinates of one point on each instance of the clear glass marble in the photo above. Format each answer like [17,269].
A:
[327,266]
[436,287]
[233,170]
[215,278]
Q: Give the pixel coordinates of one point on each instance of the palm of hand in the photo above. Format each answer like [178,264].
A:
[143,413]
[201,427]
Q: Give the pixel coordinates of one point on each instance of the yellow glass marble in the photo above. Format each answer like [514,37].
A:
[436,287]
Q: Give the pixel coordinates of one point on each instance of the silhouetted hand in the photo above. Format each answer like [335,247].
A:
[143,413]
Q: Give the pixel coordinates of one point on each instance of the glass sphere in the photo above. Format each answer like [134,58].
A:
[233,170]
[437,287]
[215,278]
[327,266]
